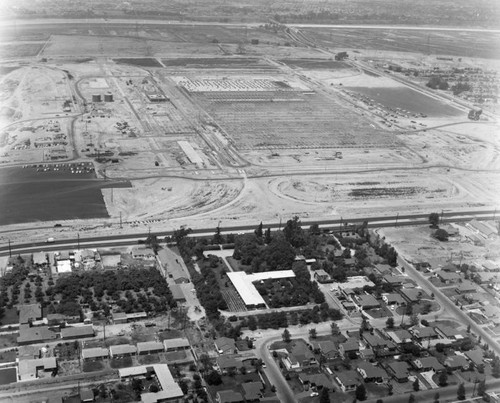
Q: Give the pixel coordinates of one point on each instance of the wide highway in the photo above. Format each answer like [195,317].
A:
[334,225]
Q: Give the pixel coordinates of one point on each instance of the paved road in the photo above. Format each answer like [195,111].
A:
[445,302]
[133,21]
[337,224]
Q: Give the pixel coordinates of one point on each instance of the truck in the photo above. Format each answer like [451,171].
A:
[50,240]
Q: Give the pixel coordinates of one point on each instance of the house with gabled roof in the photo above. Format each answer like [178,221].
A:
[393,299]
[376,342]
[423,332]
[315,380]
[466,286]
[399,370]
[476,356]
[326,348]
[448,277]
[347,380]
[253,391]
[428,364]
[448,332]
[229,396]
[371,373]
[350,346]
[455,362]
[400,336]
[226,364]
[412,295]
[225,345]
[299,356]
[367,301]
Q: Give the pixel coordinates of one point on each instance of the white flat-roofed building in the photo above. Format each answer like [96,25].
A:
[94,353]
[176,344]
[243,283]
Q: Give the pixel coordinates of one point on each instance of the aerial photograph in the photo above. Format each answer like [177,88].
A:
[230,201]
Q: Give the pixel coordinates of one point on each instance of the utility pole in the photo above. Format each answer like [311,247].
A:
[121,220]
[397,217]
[78,235]
[10,250]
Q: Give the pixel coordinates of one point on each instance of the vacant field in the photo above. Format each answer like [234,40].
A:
[16,50]
[470,44]
[218,63]
[139,61]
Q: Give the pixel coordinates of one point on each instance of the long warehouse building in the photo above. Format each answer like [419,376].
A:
[243,283]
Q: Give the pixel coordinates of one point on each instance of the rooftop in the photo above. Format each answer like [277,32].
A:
[96,352]
[175,343]
[29,312]
[77,331]
[247,291]
[149,346]
[121,349]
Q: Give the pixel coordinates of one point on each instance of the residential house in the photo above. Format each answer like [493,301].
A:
[225,345]
[412,295]
[376,342]
[371,373]
[177,293]
[322,276]
[173,266]
[484,277]
[393,299]
[466,286]
[143,253]
[400,336]
[122,350]
[482,229]
[30,369]
[383,269]
[229,396]
[448,277]
[349,347]
[491,266]
[452,231]
[394,280]
[77,332]
[347,380]
[29,313]
[366,354]
[367,301]
[40,259]
[227,364]
[150,347]
[315,380]
[326,348]
[455,362]
[448,332]
[425,364]
[178,344]
[451,267]
[491,312]
[86,396]
[96,353]
[476,356]
[111,260]
[299,356]
[57,319]
[253,391]
[424,333]
[399,370]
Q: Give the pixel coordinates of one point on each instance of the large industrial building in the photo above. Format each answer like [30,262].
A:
[243,283]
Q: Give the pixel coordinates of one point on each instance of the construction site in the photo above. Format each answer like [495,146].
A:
[244,123]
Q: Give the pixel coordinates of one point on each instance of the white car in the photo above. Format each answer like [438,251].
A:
[313,394]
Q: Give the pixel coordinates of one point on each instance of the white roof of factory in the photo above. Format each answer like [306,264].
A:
[243,284]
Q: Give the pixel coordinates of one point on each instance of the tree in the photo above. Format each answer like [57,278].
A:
[390,388]
[443,379]
[335,329]
[416,385]
[312,333]
[414,321]
[259,231]
[461,392]
[434,219]
[390,322]
[481,388]
[360,392]
[496,368]
[267,236]
[293,232]
[213,378]
[436,397]
[324,397]
[411,399]
[441,235]
[286,336]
